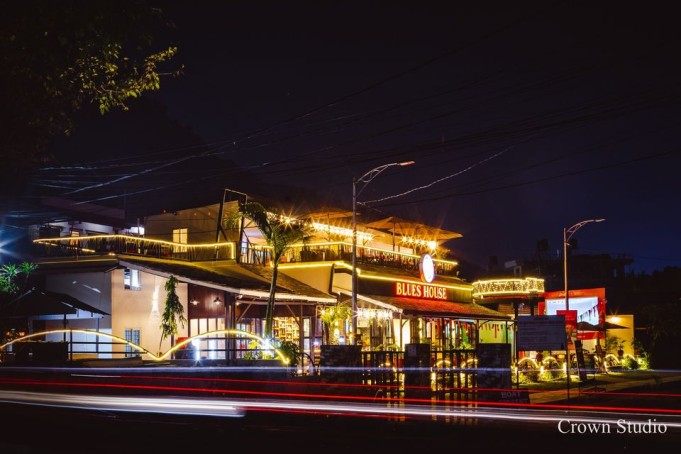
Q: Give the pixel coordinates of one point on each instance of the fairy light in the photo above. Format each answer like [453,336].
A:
[70,240]
[527,285]
[374,314]
[340,231]
[266,345]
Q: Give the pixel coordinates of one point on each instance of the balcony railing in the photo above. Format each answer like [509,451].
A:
[334,251]
[127,244]
[250,254]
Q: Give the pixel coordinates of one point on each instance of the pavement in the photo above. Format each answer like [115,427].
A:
[610,382]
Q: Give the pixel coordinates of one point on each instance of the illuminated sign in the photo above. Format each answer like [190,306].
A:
[427,268]
[414,290]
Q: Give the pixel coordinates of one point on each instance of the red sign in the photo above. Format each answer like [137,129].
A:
[570,322]
[414,290]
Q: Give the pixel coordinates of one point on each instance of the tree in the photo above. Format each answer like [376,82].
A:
[14,278]
[333,317]
[172,313]
[58,57]
[280,234]
[663,324]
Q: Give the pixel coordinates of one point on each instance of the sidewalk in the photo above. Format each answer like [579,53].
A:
[557,391]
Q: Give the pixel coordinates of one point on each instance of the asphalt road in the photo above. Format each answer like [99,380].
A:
[29,428]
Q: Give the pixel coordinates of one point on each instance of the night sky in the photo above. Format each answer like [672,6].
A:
[523,119]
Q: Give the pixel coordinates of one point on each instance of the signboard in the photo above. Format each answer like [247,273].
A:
[581,366]
[541,332]
[494,375]
[427,268]
[414,290]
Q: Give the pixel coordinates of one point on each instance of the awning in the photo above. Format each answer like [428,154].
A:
[431,308]
[250,282]
[45,304]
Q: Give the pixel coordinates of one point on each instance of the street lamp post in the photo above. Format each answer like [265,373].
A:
[365,180]
[567,234]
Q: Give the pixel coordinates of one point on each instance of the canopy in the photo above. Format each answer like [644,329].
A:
[42,303]
[326,213]
[399,226]
[586,326]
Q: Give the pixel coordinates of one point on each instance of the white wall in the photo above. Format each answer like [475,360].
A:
[142,309]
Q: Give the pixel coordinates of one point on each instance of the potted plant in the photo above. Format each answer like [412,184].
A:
[620,348]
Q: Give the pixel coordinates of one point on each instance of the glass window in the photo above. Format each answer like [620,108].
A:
[180,236]
[133,336]
[131,279]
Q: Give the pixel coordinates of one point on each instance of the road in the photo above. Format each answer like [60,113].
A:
[45,415]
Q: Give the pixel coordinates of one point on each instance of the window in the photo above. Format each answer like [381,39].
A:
[132,335]
[131,279]
[180,236]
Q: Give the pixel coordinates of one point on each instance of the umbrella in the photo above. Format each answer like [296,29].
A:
[586,326]
[399,226]
[404,227]
[610,325]
[327,213]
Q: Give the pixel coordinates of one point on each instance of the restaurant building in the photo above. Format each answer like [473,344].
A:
[408,290]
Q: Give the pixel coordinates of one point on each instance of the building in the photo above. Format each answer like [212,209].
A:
[408,289]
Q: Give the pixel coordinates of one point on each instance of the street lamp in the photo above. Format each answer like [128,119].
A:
[567,234]
[365,180]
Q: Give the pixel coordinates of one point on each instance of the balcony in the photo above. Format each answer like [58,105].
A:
[98,245]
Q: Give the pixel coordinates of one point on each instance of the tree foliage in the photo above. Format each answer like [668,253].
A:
[57,57]
[334,316]
[15,277]
[280,234]
[172,313]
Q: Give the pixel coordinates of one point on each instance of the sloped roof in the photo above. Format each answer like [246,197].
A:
[249,280]
[38,303]
[435,308]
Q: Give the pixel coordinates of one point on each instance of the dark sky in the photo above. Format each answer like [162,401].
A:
[523,119]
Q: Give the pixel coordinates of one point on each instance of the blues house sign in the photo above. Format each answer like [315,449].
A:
[420,290]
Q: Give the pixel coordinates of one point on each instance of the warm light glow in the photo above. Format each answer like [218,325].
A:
[340,231]
[370,248]
[290,266]
[82,331]
[263,342]
[370,314]
[415,241]
[525,286]
[393,279]
[70,240]
[531,361]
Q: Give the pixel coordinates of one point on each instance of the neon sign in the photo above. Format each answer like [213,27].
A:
[427,268]
[414,290]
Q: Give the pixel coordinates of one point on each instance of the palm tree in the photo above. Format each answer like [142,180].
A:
[10,274]
[280,234]
[172,313]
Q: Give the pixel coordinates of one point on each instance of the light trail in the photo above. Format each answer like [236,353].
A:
[328,392]
[238,408]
